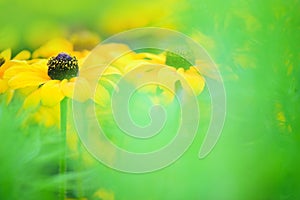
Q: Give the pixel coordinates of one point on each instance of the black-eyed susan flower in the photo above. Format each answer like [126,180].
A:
[52,79]
[173,70]
[52,74]
[52,83]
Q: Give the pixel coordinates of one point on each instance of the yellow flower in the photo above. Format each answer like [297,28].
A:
[163,69]
[6,63]
[53,80]
[49,78]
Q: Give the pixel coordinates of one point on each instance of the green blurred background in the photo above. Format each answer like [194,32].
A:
[256,46]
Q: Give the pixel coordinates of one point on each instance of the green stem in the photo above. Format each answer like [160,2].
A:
[63,131]
[79,168]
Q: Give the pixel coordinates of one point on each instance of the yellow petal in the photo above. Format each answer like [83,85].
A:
[51,93]
[80,55]
[94,73]
[91,74]
[67,88]
[6,54]
[7,72]
[101,96]
[109,82]
[10,94]
[123,60]
[32,100]
[106,53]
[19,67]
[3,86]
[27,90]
[26,79]
[38,62]
[158,94]
[143,72]
[23,55]
[9,64]
[134,64]
[167,76]
[194,79]
[83,90]
[53,47]
[112,71]
[48,116]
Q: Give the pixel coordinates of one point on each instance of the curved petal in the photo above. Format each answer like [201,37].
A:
[3,86]
[67,88]
[158,94]
[94,73]
[104,54]
[133,65]
[26,79]
[48,116]
[101,96]
[109,82]
[23,55]
[83,90]
[38,62]
[112,71]
[51,93]
[53,47]
[193,78]
[19,67]
[27,90]
[123,60]
[6,54]
[81,56]
[10,94]
[167,77]
[8,72]
[32,100]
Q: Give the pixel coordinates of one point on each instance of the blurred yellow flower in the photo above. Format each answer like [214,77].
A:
[43,115]
[139,14]
[84,39]
[104,194]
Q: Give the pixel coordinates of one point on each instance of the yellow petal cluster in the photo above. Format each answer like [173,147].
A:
[153,67]
[30,77]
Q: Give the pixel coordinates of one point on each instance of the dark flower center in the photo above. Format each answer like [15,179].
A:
[63,66]
[2,61]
